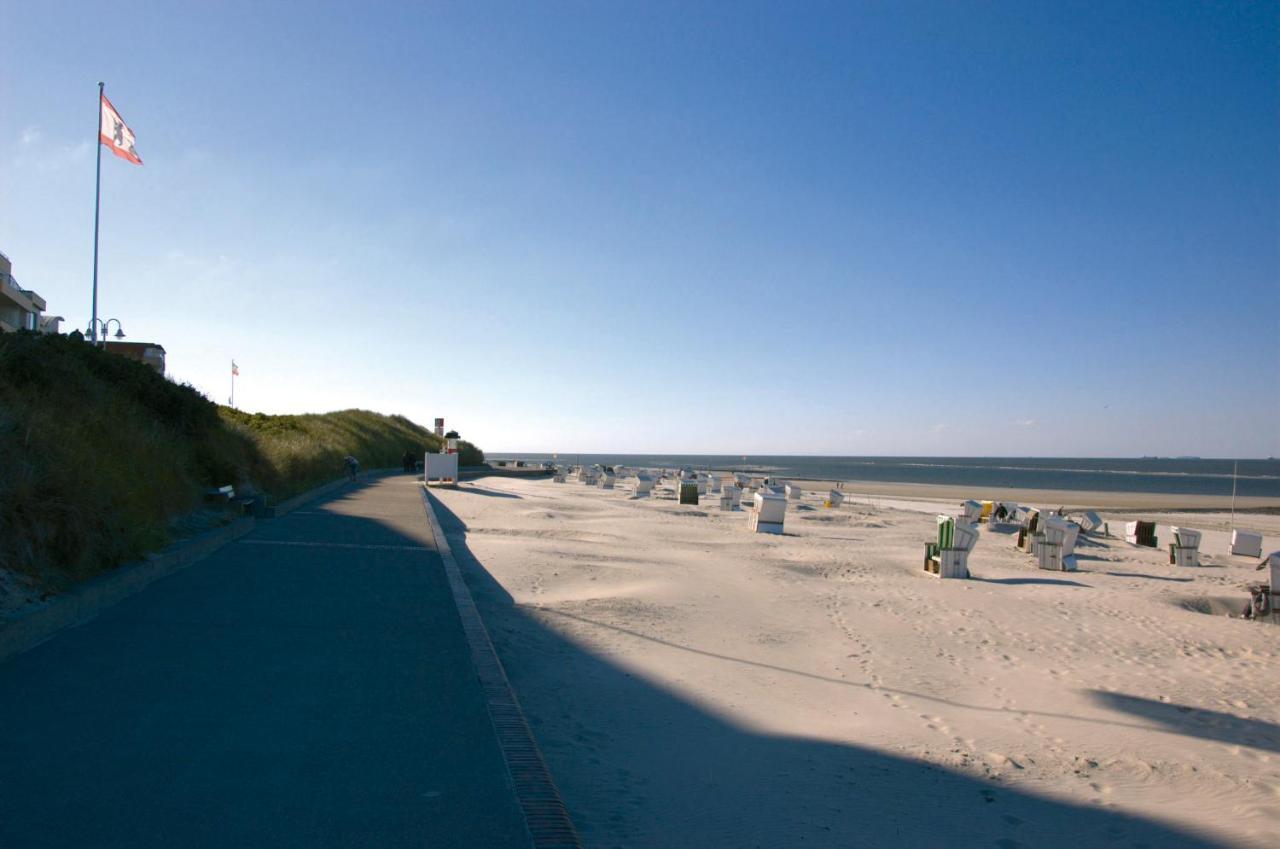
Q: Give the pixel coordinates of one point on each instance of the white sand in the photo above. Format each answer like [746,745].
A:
[692,684]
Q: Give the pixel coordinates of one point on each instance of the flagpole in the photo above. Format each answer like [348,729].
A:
[97,208]
[233,383]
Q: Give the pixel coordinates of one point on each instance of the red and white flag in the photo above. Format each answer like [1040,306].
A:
[115,134]
[235,369]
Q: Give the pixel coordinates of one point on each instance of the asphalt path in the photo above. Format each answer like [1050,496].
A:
[309,685]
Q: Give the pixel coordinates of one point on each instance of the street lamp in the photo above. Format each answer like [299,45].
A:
[106,328]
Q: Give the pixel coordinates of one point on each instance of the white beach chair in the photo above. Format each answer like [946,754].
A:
[713,484]
[1185,548]
[1141,533]
[1032,535]
[1264,598]
[834,499]
[972,512]
[794,492]
[1069,544]
[644,485]
[1246,543]
[966,537]
[768,513]
[1055,549]
[730,497]
[1090,522]
[607,479]
[949,556]
[1029,530]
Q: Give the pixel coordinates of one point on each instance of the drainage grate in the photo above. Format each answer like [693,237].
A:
[544,811]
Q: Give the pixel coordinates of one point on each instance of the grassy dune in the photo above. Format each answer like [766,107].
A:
[299,452]
[99,455]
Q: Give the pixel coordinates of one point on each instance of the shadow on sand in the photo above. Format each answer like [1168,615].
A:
[471,489]
[1149,577]
[640,765]
[1196,722]
[1060,582]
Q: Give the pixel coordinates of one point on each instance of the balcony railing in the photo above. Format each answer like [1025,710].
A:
[24,298]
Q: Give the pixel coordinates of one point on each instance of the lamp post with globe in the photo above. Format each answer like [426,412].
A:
[105,326]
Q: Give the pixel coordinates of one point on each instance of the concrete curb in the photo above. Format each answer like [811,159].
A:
[545,813]
[86,600]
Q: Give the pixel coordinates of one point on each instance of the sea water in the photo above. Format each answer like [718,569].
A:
[1182,476]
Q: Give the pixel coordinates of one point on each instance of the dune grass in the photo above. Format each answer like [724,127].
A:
[302,451]
[99,455]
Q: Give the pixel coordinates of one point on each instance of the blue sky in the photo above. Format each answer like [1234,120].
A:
[877,228]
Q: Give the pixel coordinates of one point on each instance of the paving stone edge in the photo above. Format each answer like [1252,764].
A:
[545,814]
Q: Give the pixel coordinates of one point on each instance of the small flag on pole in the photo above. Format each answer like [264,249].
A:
[235,369]
[115,134]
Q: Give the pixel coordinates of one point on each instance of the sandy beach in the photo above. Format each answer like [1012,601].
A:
[1054,498]
[692,684]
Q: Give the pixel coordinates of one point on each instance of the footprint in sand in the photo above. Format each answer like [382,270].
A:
[935,723]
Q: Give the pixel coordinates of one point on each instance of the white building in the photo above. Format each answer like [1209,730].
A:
[22,309]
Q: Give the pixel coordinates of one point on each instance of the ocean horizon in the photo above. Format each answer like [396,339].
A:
[1163,475]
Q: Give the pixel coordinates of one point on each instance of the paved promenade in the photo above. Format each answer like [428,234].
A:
[309,685]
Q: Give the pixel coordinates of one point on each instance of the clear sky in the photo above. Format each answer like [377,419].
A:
[857,228]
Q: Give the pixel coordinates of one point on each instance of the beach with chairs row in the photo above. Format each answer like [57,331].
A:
[1064,656]
[1049,536]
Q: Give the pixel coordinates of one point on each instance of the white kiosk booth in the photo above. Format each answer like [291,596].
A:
[440,469]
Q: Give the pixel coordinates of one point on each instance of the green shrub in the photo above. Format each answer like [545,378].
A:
[469,455]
